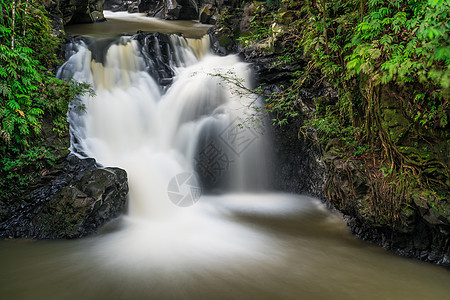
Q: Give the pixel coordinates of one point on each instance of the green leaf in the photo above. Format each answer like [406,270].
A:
[374,53]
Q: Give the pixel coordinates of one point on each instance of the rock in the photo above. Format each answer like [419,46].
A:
[249,11]
[208,14]
[189,10]
[81,11]
[157,50]
[146,5]
[55,15]
[73,200]
[408,220]
[167,9]
[298,167]
[65,12]
[114,5]
[133,8]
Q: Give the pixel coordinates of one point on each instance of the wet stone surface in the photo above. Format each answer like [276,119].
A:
[73,200]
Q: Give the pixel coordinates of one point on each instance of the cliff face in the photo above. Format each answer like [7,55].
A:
[385,206]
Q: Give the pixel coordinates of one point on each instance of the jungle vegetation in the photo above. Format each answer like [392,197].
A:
[389,61]
[33,102]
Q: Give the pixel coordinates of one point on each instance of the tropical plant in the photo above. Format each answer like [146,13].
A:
[29,93]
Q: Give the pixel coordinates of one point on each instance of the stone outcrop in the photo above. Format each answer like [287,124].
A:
[131,6]
[422,226]
[65,12]
[353,186]
[298,166]
[73,200]
[82,11]
[208,14]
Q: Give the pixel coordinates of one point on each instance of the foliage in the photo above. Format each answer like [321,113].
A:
[29,92]
[20,168]
[380,54]
[389,60]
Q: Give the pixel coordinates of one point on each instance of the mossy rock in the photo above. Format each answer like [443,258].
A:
[408,219]
[395,124]
[286,17]
[434,209]
[225,41]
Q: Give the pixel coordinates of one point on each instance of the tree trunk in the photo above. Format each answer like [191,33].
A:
[13,23]
[25,17]
[324,15]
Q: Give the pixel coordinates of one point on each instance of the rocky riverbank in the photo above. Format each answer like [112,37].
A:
[350,182]
[73,199]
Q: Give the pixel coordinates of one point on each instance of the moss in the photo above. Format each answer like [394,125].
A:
[433,207]
[395,124]
[286,17]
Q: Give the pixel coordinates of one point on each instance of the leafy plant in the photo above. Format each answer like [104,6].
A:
[29,94]
[389,60]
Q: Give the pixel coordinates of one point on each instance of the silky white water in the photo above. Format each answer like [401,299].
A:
[199,125]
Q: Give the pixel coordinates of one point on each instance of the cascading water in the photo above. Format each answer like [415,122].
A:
[175,141]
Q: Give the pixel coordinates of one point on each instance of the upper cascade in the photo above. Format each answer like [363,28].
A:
[172,101]
[157,54]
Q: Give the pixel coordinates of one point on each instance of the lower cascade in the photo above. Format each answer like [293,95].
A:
[182,123]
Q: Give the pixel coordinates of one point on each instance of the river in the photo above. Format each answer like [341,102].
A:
[203,221]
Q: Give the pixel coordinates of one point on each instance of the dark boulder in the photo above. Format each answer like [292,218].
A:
[114,5]
[189,10]
[208,14]
[73,200]
[63,12]
[132,6]
[167,9]
[146,5]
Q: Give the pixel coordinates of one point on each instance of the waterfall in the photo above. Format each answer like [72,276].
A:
[198,124]
[165,111]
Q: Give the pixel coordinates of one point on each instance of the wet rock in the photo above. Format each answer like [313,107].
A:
[72,200]
[208,14]
[63,12]
[114,5]
[157,50]
[167,9]
[424,243]
[189,10]
[298,167]
[174,10]
[81,11]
